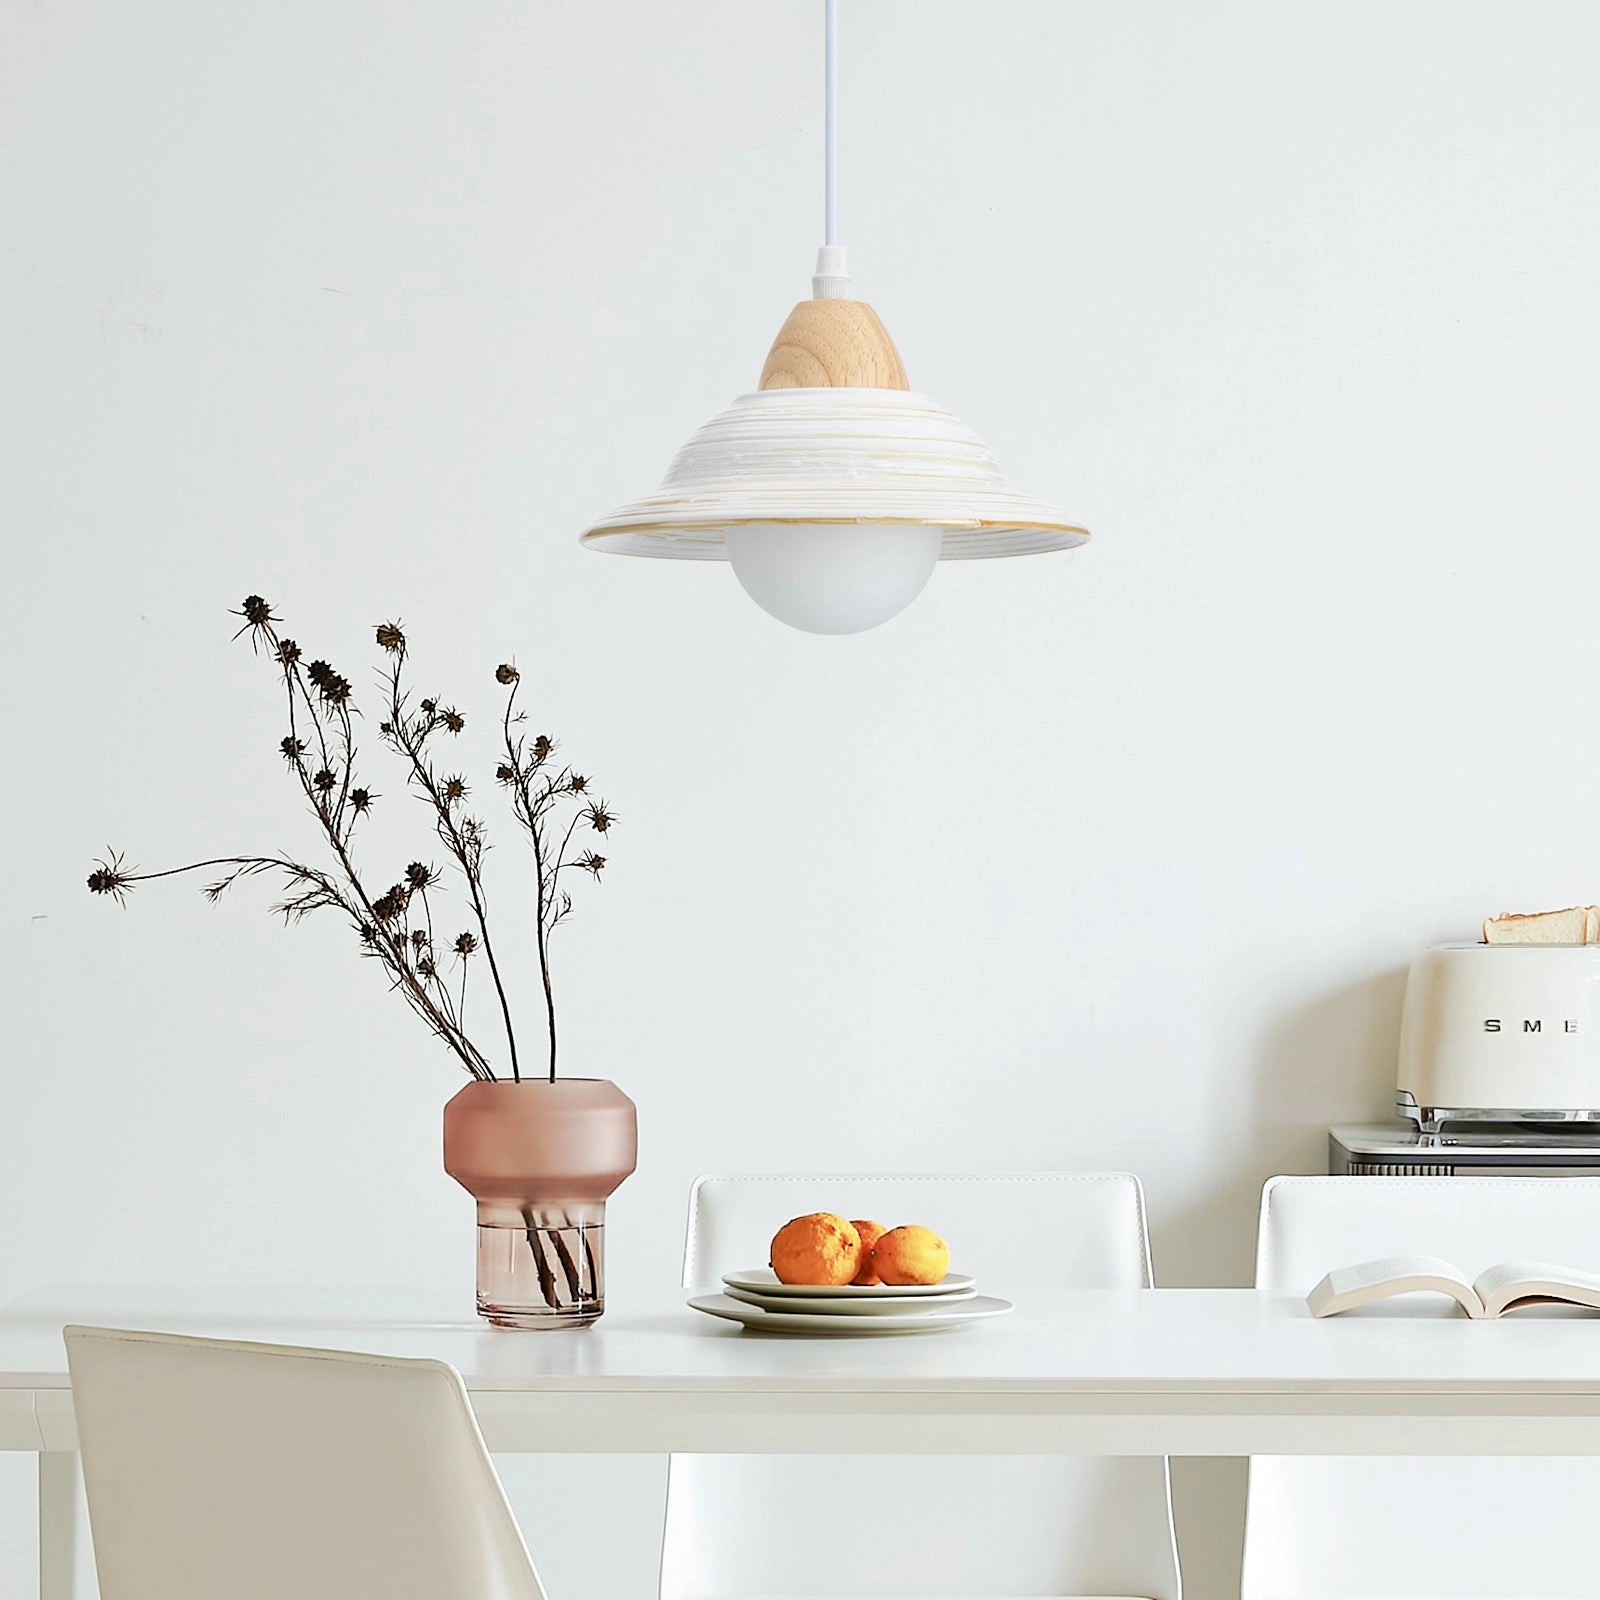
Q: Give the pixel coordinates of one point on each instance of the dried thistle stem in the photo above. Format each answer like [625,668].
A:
[403,737]
[530,814]
[331,819]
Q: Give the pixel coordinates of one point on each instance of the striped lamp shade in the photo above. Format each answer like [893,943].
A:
[834,455]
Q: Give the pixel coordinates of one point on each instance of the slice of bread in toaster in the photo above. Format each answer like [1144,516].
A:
[1575,925]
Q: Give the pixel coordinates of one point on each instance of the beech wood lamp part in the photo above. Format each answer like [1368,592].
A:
[833,490]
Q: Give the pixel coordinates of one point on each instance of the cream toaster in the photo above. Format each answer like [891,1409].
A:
[1501,1033]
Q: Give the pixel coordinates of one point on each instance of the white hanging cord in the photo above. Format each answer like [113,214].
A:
[831,281]
[831,125]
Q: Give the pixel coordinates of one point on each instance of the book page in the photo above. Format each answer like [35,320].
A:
[1513,1283]
[1350,1287]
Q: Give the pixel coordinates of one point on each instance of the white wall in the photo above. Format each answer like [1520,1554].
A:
[1104,860]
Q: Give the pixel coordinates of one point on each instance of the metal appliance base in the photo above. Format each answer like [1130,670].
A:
[1401,1150]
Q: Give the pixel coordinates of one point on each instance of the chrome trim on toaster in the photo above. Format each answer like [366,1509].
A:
[1432,1119]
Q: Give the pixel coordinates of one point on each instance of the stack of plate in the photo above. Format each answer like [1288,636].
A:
[758,1300]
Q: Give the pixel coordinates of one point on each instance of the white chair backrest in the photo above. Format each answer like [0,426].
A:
[223,1471]
[1352,1528]
[927,1526]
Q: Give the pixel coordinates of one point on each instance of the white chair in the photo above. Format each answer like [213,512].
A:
[976,1526]
[1362,1528]
[220,1471]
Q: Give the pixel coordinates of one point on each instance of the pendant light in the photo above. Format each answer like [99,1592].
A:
[833,490]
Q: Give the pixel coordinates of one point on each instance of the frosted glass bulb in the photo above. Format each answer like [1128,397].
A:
[833,577]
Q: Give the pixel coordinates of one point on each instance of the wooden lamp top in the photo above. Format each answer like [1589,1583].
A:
[833,344]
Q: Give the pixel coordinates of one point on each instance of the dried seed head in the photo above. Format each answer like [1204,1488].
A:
[258,620]
[324,781]
[454,788]
[599,818]
[109,877]
[419,875]
[369,934]
[452,719]
[391,637]
[465,944]
[577,783]
[291,748]
[542,746]
[505,773]
[387,907]
[591,863]
[430,706]
[419,937]
[361,799]
[333,688]
[426,968]
[288,652]
[506,673]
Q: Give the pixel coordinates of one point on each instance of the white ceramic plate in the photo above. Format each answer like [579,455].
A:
[927,1318]
[833,1306]
[763,1280]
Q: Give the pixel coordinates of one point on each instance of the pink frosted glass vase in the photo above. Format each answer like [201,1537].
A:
[541,1159]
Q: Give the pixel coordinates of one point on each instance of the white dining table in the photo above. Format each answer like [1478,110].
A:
[1107,1372]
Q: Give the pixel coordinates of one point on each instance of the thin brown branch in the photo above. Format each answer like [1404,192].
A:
[467,853]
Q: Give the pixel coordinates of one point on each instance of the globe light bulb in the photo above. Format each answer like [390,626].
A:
[833,577]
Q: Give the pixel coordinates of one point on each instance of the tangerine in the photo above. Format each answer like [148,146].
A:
[871,1233]
[820,1248]
[911,1255]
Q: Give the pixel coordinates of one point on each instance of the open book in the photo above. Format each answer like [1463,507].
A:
[1497,1289]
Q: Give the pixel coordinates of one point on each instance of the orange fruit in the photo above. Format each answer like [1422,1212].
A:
[871,1233]
[911,1255]
[817,1248]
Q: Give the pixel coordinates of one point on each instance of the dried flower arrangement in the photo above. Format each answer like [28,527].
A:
[554,806]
